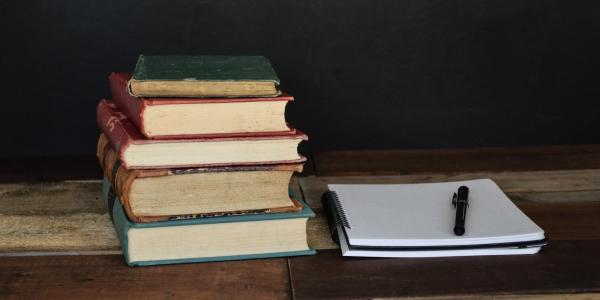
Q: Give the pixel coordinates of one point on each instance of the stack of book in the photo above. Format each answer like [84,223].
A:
[197,158]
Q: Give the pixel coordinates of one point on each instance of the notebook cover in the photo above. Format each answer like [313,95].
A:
[121,133]
[337,223]
[122,225]
[133,107]
[204,68]
[122,179]
[417,216]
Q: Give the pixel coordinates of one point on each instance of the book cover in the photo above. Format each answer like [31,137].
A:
[122,225]
[161,70]
[135,107]
[121,179]
[122,133]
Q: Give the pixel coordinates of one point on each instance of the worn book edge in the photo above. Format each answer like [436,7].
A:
[121,179]
[122,133]
[122,225]
[202,88]
[244,81]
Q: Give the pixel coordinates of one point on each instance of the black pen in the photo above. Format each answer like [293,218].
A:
[460,202]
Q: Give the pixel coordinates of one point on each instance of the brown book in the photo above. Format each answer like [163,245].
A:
[150,195]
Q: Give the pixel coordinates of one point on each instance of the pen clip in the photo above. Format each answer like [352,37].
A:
[454,199]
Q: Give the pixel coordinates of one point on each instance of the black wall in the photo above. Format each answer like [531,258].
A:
[366,74]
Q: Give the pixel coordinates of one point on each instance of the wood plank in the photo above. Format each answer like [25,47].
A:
[509,182]
[52,198]
[76,233]
[563,215]
[69,217]
[61,276]
[570,296]
[554,197]
[566,221]
[562,267]
[412,161]
[107,277]
[58,218]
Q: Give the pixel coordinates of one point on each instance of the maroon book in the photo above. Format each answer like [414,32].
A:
[137,152]
[164,118]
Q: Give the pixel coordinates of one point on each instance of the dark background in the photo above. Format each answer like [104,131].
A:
[366,74]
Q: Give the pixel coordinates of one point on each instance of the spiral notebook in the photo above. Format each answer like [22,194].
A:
[417,220]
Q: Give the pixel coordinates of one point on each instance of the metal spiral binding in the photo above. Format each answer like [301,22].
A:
[341,214]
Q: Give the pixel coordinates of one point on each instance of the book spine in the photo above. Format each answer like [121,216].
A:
[119,177]
[117,216]
[109,161]
[110,122]
[131,106]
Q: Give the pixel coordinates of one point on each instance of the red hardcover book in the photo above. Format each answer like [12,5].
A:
[138,152]
[163,118]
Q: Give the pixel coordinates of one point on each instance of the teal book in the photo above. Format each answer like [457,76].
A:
[209,239]
[203,76]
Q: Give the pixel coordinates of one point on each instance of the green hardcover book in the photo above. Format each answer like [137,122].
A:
[209,239]
[204,76]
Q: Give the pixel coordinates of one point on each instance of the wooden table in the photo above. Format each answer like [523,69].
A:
[557,186]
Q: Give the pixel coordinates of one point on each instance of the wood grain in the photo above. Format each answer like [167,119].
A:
[509,182]
[557,296]
[52,198]
[562,267]
[107,277]
[413,161]
[54,218]
[563,199]
[69,217]
[566,221]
